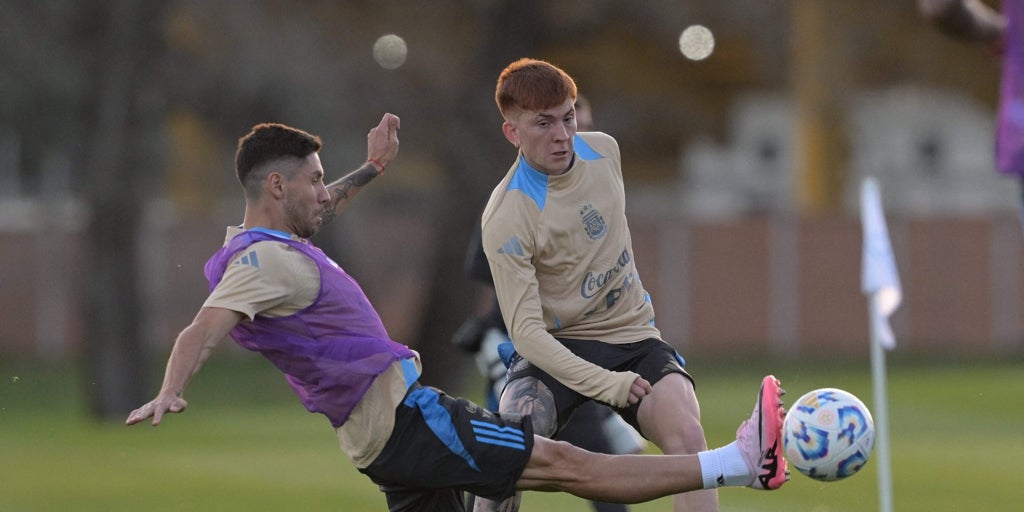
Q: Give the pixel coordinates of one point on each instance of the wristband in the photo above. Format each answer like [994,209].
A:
[376,163]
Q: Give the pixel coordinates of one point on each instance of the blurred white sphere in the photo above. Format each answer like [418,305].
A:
[389,51]
[696,42]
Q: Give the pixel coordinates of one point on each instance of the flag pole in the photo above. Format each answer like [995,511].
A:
[881,283]
[878,378]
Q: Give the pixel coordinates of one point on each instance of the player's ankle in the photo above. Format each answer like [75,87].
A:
[724,467]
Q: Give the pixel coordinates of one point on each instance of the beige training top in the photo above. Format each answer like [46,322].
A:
[562,260]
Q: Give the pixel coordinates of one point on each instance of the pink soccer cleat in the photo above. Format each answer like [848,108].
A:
[760,438]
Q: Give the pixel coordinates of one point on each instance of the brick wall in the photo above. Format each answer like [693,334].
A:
[759,285]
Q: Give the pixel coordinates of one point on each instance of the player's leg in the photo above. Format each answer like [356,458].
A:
[526,396]
[670,415]
[586,429]
[529,395]
[442,444]
[670,418]
[559,466]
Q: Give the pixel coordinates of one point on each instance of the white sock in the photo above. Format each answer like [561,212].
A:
[724,466]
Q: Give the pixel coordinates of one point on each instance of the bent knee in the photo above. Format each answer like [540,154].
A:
[687,439]
[530,396]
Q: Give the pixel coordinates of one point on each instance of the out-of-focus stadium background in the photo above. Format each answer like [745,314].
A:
[119,119]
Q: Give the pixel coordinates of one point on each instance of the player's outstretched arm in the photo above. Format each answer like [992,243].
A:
[191,348]
[381,148]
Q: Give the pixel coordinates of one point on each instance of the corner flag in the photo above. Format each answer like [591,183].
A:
[879,279]
[882,285]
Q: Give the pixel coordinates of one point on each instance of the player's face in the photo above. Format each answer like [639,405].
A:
[545,137]
[306,197]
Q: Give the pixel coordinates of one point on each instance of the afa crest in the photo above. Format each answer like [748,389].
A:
[593,222]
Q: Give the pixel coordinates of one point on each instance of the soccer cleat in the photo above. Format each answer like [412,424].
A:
[760,438]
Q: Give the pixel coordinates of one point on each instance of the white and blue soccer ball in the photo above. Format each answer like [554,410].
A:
[828,434]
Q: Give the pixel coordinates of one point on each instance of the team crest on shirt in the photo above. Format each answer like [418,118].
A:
[593,222]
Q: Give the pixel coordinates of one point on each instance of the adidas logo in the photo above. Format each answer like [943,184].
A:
[512,247]
[249,259]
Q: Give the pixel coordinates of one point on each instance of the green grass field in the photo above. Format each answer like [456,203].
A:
[246,445]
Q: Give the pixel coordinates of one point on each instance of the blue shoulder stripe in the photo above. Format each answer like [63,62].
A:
[531,182]
[584,150]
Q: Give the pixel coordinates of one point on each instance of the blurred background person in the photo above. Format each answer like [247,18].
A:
[1003,33]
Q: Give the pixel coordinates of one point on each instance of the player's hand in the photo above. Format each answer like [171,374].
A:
[382,142]
[160,405]
[639,390]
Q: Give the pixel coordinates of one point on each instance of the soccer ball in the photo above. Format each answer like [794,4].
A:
[828,434]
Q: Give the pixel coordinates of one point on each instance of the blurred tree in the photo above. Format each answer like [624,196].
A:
[474,157]
[122,162]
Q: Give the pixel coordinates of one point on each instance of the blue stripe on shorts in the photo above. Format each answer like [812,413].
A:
[508,437]
[439,421]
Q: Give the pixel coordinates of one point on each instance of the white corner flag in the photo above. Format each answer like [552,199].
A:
[881,284]
[879,280]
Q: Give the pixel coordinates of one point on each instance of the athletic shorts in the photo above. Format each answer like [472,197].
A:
[652,359]
[442,446]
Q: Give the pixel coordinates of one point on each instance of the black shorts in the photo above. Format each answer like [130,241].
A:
[442,446]
[652,359]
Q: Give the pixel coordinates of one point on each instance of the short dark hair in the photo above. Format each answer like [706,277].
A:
[532,84]
[268,142]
